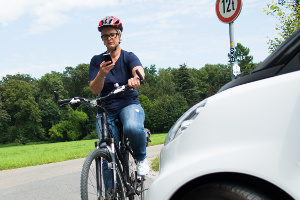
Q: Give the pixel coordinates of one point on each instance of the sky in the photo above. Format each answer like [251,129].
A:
[38,36]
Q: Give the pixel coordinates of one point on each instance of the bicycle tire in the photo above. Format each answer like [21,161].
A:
[224,191]
[89,188]
[136,182]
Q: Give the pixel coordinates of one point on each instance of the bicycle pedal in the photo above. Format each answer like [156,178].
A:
[142,178]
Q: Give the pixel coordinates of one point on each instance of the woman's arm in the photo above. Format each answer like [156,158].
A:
[141,70]
[97,84]
[135,82]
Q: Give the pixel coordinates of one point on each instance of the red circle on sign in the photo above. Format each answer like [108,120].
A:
[233,16]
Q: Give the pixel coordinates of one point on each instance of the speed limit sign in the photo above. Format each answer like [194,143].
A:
[228,10]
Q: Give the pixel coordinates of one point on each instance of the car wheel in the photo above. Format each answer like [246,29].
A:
[223,191]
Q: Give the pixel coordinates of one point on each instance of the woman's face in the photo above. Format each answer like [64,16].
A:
[110,37]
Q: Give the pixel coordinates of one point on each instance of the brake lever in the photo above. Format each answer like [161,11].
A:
[75,100]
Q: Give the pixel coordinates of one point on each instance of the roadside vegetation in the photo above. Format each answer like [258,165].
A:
[29,113]
[17,156]
[155,164]
[34,130]
[287,14]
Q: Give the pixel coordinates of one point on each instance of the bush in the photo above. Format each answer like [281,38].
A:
[71,129]
[92,135]
[58,132]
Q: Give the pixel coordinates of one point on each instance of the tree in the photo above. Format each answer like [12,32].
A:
[150,75]
[288,15]
[216,76]
[76,80]
[49,83]
[166,110]
[165,84]
[147,106]
[19,101]
[185,84]
[200,78]
[90,125]
[245,61]
[4,120]
[51,114]
[149,87]
[21,77]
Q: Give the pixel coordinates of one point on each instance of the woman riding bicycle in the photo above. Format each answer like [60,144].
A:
[103,75]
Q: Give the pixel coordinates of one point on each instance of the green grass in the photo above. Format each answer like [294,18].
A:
[155,164]
[16,156]
[158,138]
[37,154]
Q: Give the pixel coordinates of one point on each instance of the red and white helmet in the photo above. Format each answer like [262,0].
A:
[110,21]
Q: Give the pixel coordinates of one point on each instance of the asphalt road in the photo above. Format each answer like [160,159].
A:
[53,181]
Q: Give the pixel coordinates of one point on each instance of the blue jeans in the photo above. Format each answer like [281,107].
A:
[132,118]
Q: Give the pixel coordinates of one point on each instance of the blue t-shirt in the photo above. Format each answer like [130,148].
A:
[120,74]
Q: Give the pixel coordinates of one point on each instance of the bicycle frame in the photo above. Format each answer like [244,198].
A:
[108,142]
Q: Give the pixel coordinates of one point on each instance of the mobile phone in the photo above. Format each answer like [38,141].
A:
[107,57]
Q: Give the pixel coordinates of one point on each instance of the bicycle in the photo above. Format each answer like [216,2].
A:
[109,158]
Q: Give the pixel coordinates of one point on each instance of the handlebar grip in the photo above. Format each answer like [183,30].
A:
[60,102]
[65,101]
[56,95]
[140,76]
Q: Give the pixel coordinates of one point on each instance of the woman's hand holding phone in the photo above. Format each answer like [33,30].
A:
[106,66]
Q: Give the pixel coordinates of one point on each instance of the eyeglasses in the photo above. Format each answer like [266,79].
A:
[111,35]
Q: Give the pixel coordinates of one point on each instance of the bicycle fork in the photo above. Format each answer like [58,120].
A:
[111,149]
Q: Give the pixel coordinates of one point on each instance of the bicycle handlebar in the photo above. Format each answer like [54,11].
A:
[74,100]
[98,101]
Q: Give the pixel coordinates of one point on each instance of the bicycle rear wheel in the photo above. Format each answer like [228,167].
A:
[96,177]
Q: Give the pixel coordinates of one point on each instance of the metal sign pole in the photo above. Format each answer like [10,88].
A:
[235,69]
[232,49]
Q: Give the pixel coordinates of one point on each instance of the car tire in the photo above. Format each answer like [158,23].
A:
[223,191]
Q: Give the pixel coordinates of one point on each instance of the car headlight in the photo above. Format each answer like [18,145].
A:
[184,121]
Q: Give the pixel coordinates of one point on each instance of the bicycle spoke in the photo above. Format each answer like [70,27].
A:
[92,180]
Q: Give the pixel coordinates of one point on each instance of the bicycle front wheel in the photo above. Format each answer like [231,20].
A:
[97,177]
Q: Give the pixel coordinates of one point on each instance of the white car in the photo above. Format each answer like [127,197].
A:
[242,143]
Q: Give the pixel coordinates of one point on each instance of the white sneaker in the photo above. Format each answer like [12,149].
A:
[142,167]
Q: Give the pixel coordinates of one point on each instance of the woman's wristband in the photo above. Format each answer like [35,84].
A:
[102,77]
